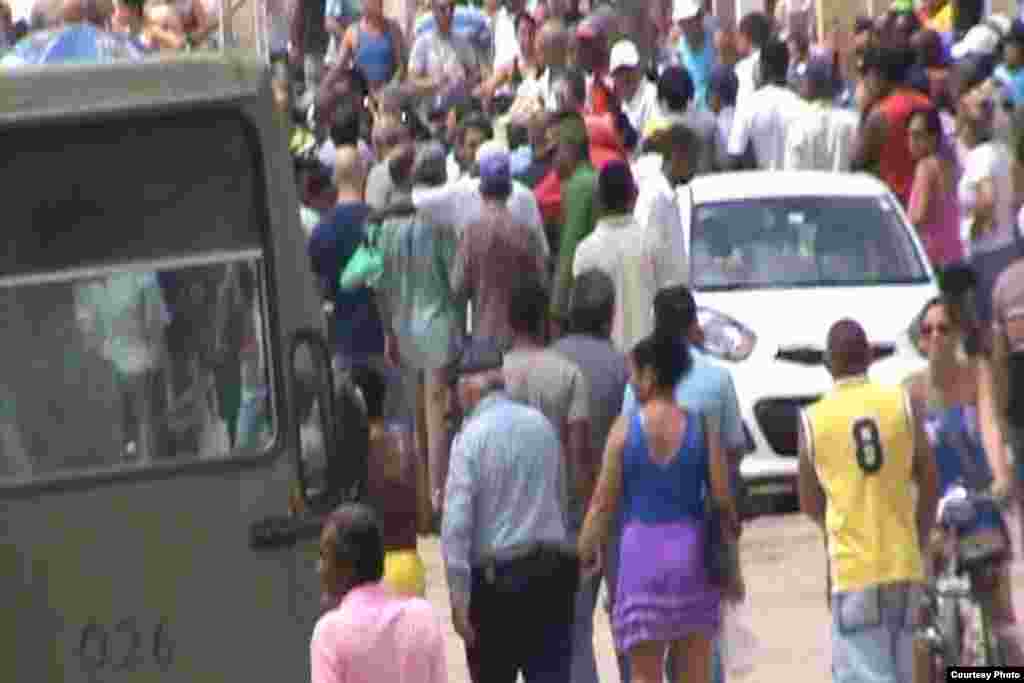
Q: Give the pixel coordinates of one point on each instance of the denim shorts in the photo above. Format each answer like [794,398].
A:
[873,633]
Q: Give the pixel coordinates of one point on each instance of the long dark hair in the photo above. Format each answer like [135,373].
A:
[667,354]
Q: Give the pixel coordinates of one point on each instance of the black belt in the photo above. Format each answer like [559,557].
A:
[490,563]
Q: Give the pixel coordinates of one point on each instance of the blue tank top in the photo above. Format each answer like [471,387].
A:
[662,494]
[960,457]
[956,440]
[375,56]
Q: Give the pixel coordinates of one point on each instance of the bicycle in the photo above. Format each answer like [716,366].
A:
[958,629]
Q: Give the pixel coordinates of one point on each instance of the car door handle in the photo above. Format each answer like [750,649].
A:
[283,532]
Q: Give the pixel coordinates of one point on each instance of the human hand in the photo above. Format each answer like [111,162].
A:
[591,563]
[1002,489]
[462,624]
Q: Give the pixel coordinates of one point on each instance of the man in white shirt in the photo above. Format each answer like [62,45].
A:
[755,30]
[506,45]
[671,156]
[639,97]
[764,118]
[628,253]
[459,204]
[821,139]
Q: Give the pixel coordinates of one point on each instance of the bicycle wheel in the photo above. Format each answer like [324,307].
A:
[991,647]
[951,628]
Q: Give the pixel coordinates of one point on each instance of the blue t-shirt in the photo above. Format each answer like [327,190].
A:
[699,65]
[358,331]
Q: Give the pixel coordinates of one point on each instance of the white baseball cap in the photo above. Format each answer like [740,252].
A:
[624,55]
[685,9]
[982,39]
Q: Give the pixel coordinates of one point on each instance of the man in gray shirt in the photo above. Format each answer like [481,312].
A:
[511,573]
[589,347]
[443,66]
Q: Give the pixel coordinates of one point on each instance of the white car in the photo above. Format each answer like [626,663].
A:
[775,259]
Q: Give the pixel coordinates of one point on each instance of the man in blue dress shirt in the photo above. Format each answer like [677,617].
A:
[512,574]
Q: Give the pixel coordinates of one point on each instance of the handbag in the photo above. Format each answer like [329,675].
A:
[366,265]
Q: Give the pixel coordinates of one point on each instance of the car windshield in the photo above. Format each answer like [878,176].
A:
[802,242]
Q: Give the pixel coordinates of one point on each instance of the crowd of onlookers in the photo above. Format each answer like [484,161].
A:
[490,198]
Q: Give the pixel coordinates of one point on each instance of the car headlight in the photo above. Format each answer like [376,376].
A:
[725,337]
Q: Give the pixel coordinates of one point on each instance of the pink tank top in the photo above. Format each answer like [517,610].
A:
[940,232]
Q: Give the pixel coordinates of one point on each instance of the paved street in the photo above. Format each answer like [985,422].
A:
[784,564]
[783,561]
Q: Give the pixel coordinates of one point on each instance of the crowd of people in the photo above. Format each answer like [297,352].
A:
[491,206]
[498,235]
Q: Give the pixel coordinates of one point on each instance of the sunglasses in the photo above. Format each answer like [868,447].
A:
[927,329]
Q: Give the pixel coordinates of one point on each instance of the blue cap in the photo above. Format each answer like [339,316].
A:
[495,174]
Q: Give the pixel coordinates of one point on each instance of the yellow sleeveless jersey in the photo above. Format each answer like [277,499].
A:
[861,438]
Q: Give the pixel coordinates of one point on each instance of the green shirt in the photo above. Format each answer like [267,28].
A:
[579,216]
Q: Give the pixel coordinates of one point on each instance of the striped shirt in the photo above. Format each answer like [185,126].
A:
[504,487]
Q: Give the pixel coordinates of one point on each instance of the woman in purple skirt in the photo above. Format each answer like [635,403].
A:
[656,465]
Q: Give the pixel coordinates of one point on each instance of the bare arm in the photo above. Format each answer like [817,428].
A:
[925,182]
[1000,371]
[992,434]
[983,212]
[579,460]
[401,51]
[346,49]
[925,475]
[812,495]
[605,502]
[867,146]
[721,489]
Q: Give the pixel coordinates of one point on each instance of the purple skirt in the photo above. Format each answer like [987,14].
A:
[663,592]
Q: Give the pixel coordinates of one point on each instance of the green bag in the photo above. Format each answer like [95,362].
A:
[366,265]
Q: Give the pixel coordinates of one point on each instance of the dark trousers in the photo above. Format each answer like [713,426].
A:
[522,611]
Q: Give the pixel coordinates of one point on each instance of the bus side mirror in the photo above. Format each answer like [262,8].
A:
[321,477]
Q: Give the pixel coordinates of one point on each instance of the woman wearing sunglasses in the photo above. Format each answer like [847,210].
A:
[956,393]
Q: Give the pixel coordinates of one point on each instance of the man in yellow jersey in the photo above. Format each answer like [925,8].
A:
[862,447]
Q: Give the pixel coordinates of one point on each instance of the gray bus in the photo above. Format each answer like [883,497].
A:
[162,352]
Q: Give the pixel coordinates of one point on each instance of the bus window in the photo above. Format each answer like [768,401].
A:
[132,368]
[131,340]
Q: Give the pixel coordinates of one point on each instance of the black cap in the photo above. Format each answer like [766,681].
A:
[479,355]
[1016,34]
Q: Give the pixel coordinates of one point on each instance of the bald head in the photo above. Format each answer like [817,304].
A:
[349,169]
[848,350]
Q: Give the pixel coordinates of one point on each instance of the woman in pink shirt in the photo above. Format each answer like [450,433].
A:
[934,208]
[369,634]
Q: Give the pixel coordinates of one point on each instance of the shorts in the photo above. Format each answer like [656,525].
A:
[873,633]
[404,573]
